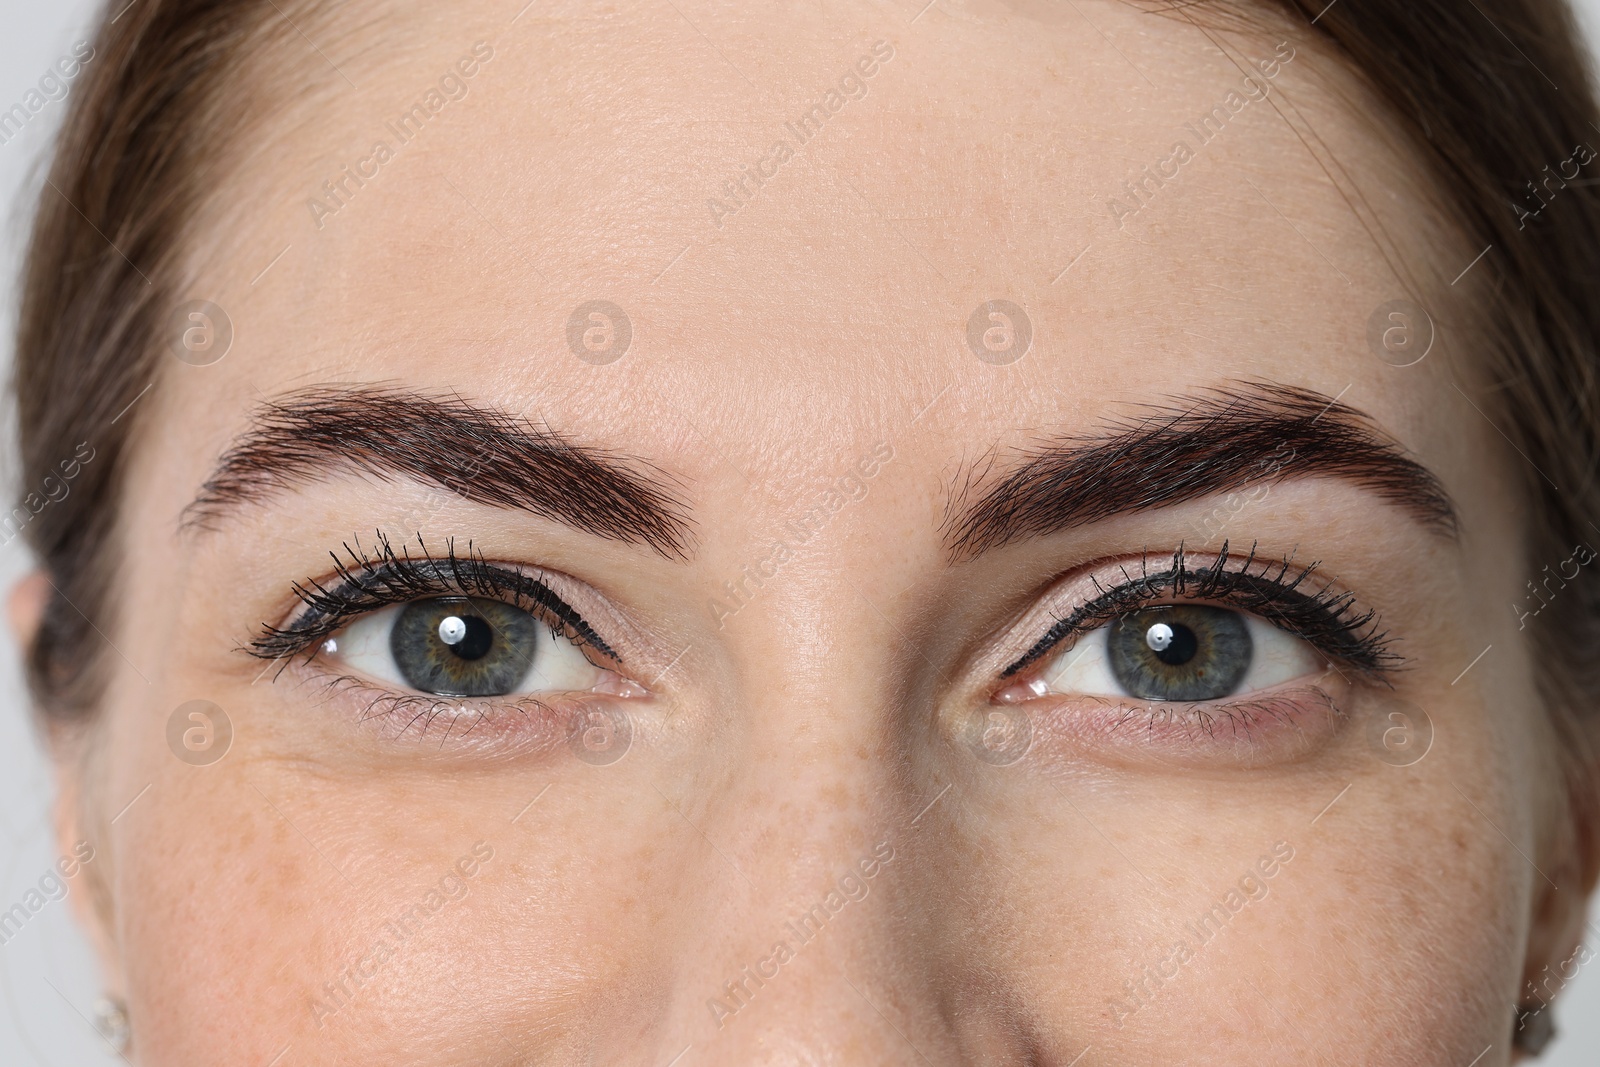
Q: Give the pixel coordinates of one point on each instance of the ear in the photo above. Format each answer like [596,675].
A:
[1556,947]
[1554,940]
[25,607]
[89,896]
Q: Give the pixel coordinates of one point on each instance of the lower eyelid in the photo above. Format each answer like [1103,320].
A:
[1257,730]
[498,727]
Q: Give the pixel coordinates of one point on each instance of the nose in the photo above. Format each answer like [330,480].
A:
[812,929]
[805,949]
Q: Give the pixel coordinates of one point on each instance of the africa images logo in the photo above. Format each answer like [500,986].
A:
[453,84]
[1142,189]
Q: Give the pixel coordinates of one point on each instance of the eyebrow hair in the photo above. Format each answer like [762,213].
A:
[477,453]
[1219,441]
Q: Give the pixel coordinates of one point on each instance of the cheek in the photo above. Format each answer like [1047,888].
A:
[1368,904]
[253,891]
[312,912]
[1097,877]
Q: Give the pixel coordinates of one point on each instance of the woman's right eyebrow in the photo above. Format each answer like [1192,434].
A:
[476,452]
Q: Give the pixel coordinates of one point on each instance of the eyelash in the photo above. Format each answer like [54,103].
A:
[369,581]
[1331,622]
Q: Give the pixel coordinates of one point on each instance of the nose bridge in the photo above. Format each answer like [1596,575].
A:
[807,956]
[814,973]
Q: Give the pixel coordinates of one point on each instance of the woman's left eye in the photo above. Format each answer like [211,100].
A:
[459,646]
[1179,652]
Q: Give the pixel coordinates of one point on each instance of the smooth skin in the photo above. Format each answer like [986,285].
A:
[824,728]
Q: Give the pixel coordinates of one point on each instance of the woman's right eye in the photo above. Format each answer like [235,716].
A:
[458,646]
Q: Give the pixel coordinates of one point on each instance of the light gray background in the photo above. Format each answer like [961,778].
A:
[47,975]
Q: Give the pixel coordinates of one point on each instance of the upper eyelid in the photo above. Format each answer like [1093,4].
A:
[1082,620]
[445,577]
[1062,631]
[1074,624]
[1200,584]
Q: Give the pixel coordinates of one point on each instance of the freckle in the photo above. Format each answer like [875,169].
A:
[838,797]
[1459,838]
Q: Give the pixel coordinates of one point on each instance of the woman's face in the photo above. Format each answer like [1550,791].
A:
[823,680]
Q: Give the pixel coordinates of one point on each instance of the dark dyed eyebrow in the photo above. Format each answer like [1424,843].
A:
[477,453]
[1217,442]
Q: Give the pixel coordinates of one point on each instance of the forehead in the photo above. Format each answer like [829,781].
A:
[796,220]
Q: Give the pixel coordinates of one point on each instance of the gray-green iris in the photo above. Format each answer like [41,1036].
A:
[463,646]
[1180,652]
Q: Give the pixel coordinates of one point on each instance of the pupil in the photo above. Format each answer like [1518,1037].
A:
[473,636]
[1173,644]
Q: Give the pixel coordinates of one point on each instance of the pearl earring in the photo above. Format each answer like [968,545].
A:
[111,1019]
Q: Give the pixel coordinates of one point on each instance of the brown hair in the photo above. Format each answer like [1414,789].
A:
[1492,93]
[1496,94]
[136,151]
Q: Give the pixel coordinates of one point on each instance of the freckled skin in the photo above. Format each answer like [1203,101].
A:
[824,719]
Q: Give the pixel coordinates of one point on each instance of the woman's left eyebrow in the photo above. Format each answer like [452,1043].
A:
[473,451]
[1218,442]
